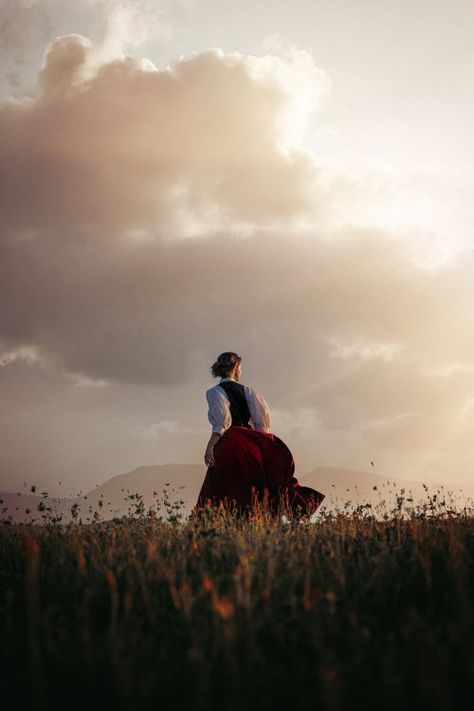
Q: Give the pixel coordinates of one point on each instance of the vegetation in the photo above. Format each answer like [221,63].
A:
[219,612]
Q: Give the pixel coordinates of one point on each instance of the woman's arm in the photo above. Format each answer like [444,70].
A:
[209,453]
[258,407]
[220,418]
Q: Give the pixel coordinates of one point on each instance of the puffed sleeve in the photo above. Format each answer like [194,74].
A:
[258,407]
[218,410]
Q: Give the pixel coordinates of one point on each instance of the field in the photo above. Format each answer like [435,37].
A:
[156,611]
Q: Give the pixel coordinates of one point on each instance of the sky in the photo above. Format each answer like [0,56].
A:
[290,181]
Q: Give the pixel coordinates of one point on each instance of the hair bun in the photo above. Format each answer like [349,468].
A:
[225,362]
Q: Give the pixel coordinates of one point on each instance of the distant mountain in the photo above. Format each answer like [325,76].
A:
[360,487]
[116,497]
[174,481]
[152,486]
[18,507]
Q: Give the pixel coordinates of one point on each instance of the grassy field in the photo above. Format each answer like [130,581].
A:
[151,611]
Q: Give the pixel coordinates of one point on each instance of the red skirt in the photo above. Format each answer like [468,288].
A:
[251,465]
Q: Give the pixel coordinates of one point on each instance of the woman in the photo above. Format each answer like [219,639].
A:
[246,463]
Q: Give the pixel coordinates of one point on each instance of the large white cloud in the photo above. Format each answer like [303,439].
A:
[129,146]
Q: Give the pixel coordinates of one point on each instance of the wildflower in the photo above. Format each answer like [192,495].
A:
[81,561]
[111,579]
[32,546]
[151,549]
[224,607]
[207,584]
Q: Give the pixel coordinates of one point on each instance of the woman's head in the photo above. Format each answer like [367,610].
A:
[225,364]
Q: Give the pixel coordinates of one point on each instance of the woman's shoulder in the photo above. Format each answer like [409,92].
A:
[214,389]
[217,388]
[254,394]
[250,391]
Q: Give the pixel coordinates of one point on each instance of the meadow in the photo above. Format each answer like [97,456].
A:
[160,610]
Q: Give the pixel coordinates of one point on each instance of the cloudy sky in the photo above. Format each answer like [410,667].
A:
[292,181]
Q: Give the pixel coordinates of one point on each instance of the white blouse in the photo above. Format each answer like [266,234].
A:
[219,409]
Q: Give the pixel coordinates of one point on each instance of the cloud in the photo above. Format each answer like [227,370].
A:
[137,148]
[127,25]
[154,218]
[116,27]
[21,25]
[156,430]
[29,354]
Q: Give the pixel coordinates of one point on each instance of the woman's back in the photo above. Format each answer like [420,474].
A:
[229,400]
[239,408]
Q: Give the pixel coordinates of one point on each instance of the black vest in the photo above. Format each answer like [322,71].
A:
[239,409]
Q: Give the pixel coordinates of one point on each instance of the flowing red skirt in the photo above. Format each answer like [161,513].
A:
[251,465]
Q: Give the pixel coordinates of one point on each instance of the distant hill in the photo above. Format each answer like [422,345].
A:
[18,507]
[175,482]
[360,487]
[114,497]
[180,481]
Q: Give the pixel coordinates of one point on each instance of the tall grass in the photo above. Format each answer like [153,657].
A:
[221,612]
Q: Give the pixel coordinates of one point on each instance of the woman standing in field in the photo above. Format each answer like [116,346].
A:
[245,461]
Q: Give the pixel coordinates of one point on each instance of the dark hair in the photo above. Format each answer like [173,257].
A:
[224,363]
